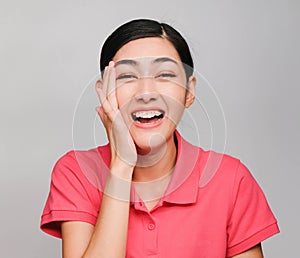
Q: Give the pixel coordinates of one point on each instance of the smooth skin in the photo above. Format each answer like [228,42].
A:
[107,239]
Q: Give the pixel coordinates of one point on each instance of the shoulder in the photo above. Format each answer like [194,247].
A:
[83,165]
[216,166]
[76,189]
[211,165]
[73,157]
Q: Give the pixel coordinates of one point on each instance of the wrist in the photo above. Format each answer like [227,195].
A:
[121,169]
[124,159]
[118,186]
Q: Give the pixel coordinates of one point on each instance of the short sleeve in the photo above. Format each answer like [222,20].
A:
[251,220]
[71,198]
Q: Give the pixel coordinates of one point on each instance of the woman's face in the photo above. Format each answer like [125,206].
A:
[152,90]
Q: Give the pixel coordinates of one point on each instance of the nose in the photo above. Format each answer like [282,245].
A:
[146,91]
[147,96]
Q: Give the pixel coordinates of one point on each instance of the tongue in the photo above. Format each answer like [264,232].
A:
[148,120]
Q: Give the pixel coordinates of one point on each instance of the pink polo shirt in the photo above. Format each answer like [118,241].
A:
[212,207]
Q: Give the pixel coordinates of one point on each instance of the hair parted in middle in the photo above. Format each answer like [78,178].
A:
[143,28]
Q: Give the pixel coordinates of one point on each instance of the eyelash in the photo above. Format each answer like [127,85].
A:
[130,76]
[166,75]
[126,76]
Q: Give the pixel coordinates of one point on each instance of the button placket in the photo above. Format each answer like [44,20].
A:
[150,235]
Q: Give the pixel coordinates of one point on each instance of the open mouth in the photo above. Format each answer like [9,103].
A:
[148,116]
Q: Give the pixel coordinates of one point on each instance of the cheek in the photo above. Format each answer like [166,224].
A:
[175,111]
[176,92]
[124,95]
[175,100]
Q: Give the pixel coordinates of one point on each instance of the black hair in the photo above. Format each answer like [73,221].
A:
[143,28]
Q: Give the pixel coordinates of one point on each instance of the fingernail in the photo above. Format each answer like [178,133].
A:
[111,64]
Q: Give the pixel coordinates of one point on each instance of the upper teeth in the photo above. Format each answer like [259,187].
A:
[147,114]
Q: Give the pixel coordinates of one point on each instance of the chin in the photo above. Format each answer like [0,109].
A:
[152,140]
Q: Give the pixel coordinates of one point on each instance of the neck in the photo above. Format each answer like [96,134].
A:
[157,164]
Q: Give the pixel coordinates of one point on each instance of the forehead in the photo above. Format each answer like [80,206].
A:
[147,47]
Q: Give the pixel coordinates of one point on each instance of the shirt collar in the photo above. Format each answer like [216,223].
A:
[184,184]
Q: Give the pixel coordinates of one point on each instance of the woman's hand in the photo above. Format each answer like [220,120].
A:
[123,151]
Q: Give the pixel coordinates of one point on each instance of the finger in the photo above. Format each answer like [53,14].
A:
[111,86]
[105,80]
[101,82]
[106,106]
[101,89]
[109,110]
[108,78]
[100,112]
[101,96]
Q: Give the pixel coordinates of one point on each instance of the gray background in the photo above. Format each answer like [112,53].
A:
[247,50]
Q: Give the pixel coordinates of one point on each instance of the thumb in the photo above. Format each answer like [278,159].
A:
[100,112]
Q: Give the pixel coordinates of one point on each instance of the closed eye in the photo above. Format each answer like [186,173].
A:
[166,75]
[126,76]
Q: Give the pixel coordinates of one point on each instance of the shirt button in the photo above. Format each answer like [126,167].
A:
[151,226]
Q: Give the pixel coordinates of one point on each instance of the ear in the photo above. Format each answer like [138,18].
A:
[190,91]
[98,85]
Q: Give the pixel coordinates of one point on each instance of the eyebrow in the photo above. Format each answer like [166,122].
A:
[135,63]
[164,59]
[126,61]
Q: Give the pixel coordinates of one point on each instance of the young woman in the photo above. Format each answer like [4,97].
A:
[149,193]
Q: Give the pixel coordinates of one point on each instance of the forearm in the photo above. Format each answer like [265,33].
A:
[110,234]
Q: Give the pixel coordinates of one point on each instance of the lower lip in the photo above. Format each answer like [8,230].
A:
[149,125]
